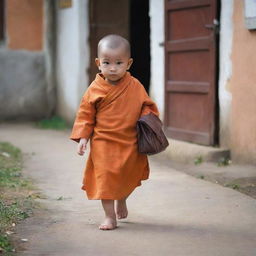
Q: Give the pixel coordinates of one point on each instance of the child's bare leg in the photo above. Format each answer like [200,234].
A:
[121,209]
[110,215]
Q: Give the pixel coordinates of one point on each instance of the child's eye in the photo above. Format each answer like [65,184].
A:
[105,62]
[119,62]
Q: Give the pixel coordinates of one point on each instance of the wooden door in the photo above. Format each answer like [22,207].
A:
[190,75]
[106,17]
[2,14]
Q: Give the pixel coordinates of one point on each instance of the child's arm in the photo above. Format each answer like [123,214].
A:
[85,120]
[81,147]
[149,106]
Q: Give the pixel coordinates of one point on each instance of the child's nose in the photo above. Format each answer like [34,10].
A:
[112,67]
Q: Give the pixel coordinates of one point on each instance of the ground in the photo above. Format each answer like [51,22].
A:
[236,176]
[170,214]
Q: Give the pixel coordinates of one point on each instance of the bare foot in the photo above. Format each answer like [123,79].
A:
[108,224]
[121,209]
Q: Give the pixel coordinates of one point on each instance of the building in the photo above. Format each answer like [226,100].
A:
[27,88]
[195,57]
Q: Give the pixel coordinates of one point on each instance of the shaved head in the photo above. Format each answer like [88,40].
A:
[114,42]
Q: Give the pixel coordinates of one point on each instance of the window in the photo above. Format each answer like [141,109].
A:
[2,20]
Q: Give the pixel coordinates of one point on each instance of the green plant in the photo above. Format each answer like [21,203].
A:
[233,185]
[15,204]
[5,244]
[224,161]
[10,167]
[13,212]
[198,160]
[54,123]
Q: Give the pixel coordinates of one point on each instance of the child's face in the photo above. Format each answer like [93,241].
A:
[113,63]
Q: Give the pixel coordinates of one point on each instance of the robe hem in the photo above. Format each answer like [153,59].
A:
[90,197]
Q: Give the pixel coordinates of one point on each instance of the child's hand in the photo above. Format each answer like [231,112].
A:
[81,147]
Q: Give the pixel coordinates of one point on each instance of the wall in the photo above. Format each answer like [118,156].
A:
[49,56]
[72,57]
[225,71]
[243,88]
[23,84]
[24,24]
[157,83]
[22,80]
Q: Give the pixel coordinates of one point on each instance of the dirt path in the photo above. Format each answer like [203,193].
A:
[171,214]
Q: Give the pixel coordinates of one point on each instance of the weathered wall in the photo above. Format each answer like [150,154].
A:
[22,85]
[26,78]
[225,71]
[156,12]
[24,21]
[243,88]
[50,54]
[72,58]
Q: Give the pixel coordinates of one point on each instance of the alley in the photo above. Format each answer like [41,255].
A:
[170,214]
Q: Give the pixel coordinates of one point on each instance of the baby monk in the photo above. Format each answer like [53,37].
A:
[107,117]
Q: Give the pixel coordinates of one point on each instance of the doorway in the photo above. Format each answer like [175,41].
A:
[191,50]
[140,40]
[128,18]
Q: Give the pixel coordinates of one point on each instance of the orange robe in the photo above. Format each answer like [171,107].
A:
[107,116]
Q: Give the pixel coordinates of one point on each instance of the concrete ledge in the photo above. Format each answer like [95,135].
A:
[185,152]
[23,87]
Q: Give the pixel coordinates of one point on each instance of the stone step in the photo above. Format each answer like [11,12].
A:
[185,152]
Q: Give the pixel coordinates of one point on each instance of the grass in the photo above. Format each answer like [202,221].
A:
[201,177]
[54,123]
[5,244]
[198,160]
[10,167]
[16,202]
[224,161]
[234,186]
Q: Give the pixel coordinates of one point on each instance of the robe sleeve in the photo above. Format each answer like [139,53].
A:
[85,119]
[148,106]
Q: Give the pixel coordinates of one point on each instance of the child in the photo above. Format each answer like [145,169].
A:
[107,116]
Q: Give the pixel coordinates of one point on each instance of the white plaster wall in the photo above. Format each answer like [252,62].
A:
[49,9]
[156,13]
[72,58]
[225,72]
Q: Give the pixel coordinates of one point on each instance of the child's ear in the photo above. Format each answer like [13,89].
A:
[97,61]
[130,61]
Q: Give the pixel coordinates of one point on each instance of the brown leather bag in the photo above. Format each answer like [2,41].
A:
[151,138]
